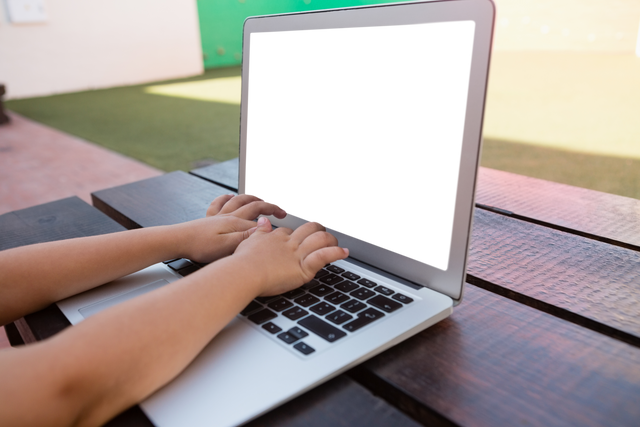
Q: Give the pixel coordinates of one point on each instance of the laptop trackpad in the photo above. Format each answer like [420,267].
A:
[92,309]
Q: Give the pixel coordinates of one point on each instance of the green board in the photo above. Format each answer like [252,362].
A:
[221,22]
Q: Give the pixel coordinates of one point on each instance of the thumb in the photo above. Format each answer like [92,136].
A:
[264,226]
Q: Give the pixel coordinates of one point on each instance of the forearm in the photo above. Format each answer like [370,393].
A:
[32,277]
[120,356]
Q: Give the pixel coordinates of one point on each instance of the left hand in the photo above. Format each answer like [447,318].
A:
[229,221]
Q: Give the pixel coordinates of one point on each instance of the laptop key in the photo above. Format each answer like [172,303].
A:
[351,276]
[322,328]
[293,293]
[265,300]
[321,290]
[179,264]
[353,306]
[384,303]
[321,273]
[334,269]
[323,308]
[304,348]
[271,327]
[362,294]
[311,284]
[366,317]
[280,304]
[295,313]
[287,337]
[262,316]
[402,298]
[297,332]
[338,317]
[346,286]
[383,290]
[366,282]
[306,300]
[331,279]
[184,272]
[336,298]
[253,306]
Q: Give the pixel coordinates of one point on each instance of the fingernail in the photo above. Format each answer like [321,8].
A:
[346,251]
[262,221]
[231,194]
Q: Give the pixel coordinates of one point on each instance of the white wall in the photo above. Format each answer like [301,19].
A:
[88,44]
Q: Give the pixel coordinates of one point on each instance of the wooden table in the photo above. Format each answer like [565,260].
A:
[548,332]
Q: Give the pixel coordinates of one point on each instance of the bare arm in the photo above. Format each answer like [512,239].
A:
[32,277]
[94,370]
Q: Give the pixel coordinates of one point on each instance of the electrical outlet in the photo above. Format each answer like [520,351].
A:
[26,11]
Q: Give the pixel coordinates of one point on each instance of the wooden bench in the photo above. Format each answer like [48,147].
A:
[548,332]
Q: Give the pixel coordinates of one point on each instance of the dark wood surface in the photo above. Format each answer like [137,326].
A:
[135,205]
[62,219]
[224,174]
[555,351]
[607,217]
[496,362]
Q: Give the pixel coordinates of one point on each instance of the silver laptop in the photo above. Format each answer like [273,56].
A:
[367,120]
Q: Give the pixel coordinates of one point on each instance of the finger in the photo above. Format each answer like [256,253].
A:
[237,202]
[306,230]
[217,204]
[318,259]
[317,240]
[255,209]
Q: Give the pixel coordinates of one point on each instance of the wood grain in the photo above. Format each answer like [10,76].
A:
[339,402]
[607,217]
[495,362]
[224,174]
[167,199]
[592,283]
[62,219]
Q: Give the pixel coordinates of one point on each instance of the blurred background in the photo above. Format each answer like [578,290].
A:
[159,81]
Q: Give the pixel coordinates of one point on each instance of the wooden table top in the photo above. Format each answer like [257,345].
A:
[548,332]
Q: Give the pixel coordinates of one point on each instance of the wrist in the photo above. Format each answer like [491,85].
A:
[174,241]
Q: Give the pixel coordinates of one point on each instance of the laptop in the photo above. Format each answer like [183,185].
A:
[367,120]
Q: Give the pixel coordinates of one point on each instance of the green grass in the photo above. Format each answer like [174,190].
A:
[173,133]
[166,132]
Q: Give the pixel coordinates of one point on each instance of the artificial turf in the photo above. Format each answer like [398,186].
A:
[166,132]
[174,133]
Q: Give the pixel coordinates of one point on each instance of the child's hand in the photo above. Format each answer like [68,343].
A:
[286,259]
[229,219]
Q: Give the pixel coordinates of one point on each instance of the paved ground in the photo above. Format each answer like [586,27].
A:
[39,164]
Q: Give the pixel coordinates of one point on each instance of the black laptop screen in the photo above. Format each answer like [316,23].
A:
[361,129]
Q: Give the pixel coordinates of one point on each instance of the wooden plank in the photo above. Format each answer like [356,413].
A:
[224,174]
[62,219]
[585,281]
[607,217]
[339,402]
[538,266]
[495,362]
[167,199]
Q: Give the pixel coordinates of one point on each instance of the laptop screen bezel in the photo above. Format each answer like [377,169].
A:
[482,12]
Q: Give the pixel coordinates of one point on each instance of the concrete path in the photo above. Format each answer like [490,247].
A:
[39,164]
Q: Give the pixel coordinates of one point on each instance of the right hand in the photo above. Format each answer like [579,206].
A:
[285,259]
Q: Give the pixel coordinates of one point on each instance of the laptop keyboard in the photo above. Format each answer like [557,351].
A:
[335,304]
